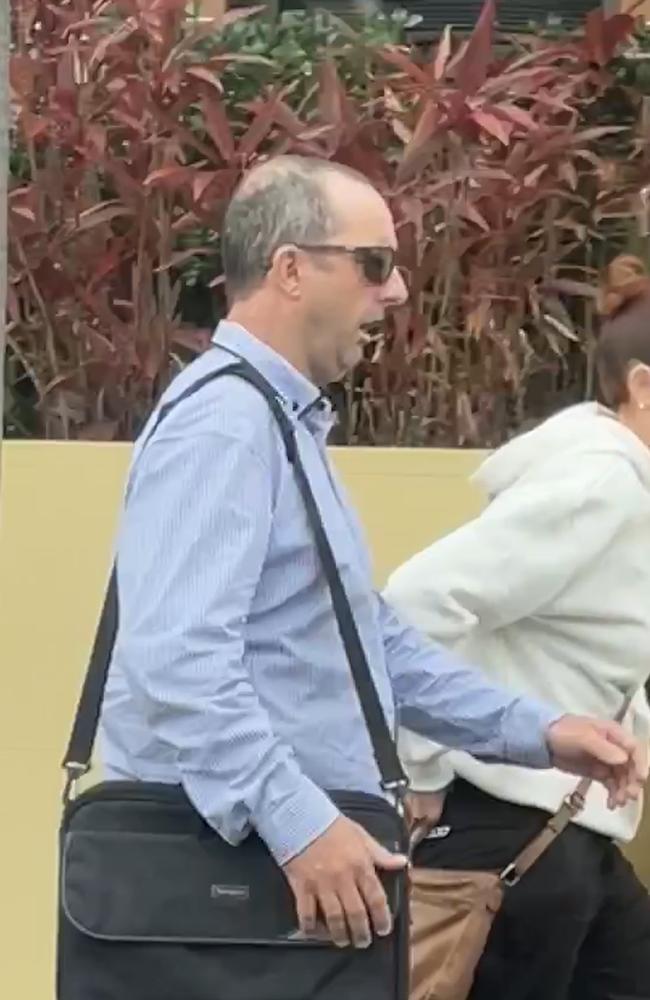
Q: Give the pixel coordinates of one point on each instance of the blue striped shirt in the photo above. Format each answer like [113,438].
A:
[228,673]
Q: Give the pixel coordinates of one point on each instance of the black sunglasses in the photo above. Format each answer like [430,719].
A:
[376,263]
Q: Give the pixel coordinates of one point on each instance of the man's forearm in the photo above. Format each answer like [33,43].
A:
[445,700]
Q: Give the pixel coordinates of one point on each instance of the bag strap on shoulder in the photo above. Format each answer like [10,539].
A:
[84,730]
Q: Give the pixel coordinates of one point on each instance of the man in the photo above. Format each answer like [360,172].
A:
[228,673]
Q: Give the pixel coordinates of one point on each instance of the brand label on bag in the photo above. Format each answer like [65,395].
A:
[438,833]
[230,893]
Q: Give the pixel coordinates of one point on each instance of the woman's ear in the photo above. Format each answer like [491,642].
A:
[638,386]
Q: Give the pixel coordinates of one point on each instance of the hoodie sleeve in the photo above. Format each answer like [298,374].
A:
[507,564]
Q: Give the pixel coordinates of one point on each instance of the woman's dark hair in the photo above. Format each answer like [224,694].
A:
[624,304]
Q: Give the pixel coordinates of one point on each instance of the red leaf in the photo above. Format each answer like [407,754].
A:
[240,13]
[330,94]
[516,115]
[132,123]
[523,83]
[288,120]
[181,256]
[499,129]
[95,136]
[218,127]
[604,35]
[567,138]
[187,221]
[23,211]
[174,174]
[22,74]
[101,214]
[201,182]
[397,57]
[107,263]
[531,179]
[417,149]
[442,55]
[124,31]
[258,130]
[207,26]
[569,174]
[201,73]
[34,125]
[468,211]
[472,64]
[65,72]
[83,26]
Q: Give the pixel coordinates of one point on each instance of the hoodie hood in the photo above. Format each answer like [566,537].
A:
[587,428]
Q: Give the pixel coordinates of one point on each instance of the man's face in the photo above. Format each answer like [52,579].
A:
[339,298]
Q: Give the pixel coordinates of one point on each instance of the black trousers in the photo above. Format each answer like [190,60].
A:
[577,927]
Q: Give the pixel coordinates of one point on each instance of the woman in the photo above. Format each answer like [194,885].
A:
[550,589]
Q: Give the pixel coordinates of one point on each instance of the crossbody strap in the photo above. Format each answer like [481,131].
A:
[84,729]
[572,804]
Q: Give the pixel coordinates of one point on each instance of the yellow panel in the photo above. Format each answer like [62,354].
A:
[407,497]
[58,515]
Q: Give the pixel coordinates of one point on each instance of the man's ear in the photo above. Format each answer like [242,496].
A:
[286,272]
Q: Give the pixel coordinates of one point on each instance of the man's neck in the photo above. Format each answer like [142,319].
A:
[271,329]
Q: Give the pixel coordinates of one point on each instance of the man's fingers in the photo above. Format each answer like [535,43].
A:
[356,916]
[335,878]
[623,786]
[607,748]
[382,858]
[332,910]
[640,763]
[374,896]
[620,737]
[306,911]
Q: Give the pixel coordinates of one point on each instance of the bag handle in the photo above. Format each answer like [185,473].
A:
[86,721]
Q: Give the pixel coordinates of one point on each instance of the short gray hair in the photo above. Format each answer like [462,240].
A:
[281,201]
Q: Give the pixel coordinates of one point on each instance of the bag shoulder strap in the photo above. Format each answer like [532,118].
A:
[573,804]
[86,720]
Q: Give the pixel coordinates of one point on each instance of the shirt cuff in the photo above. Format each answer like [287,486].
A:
[299,819]
[525,733]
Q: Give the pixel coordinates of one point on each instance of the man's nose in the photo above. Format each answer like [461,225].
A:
[395,291]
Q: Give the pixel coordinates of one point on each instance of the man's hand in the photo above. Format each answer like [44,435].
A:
[600,750]
[337,876]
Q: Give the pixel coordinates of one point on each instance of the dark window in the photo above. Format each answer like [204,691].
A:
[513,15]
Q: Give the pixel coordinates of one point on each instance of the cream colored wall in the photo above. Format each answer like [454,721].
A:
[59,504]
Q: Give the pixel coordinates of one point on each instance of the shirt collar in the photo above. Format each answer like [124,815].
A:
[301,396]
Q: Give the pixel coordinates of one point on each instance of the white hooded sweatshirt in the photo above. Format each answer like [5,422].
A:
[548,590]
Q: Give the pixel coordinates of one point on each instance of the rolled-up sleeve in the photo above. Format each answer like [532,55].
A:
[191,549]
[443,699]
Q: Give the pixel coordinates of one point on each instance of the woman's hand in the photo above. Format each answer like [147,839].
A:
[425,807]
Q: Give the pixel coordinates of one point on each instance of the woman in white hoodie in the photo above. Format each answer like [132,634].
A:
[549,589]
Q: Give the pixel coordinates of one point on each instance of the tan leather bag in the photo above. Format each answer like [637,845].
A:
[452,911]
